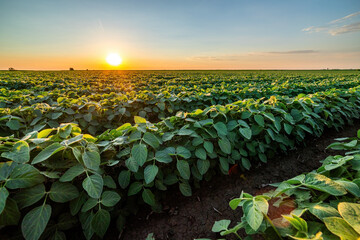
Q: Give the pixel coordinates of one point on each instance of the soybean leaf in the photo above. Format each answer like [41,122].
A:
[91,159]
[221,225]
[71,173]
[351,214]
[148,197]
[48,152]
[110,198]
[209,147]
[29,196]
[19,153]
[340,228]
[139,152]
[134,188]
[24,176]
[100,222]
[325,184]
[35,221]
[10,214]
[150,173]
[245,132]
[200,153]
[183,152]
[124,179]
[183,168]
[63,192]
[3,196]
[225,145]
[185,189]
[203,166]
[151,139]
[221,128]
[93,185]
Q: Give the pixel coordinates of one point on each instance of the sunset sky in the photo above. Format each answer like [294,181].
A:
[186,34]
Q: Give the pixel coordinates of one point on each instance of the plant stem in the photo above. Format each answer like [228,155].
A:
[273,226]
[237,235]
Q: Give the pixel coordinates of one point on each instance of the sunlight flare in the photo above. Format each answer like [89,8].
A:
[114,59]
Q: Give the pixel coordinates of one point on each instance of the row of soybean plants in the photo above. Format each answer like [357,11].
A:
[52,180]
[97,113]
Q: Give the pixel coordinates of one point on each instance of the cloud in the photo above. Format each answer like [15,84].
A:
[345,18]
[338,26]
[237,57]
[294,52]
[355,27]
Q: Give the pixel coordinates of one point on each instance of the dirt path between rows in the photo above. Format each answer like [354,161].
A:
[187,218]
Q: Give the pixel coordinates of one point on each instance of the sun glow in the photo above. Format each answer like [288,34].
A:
[113,59]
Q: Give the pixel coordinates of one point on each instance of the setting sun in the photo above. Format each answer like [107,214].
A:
[113,59]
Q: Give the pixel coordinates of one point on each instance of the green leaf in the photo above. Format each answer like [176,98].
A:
[48,152]
[24,176]
[139,120]
[89,204]
[151,139]
[350,187]
[259,120]
[221,128]
[221,225]
[269,116]
[110,198]
[63,192]
[254,217]
[183,168]
[288,128]
[71,173]
[35,221]
[163,156]
[109,182]
[148,197]
[150,173]
[91,159]
[134,188]
[100,222]
[124,179]
[203,166]
[225,145]
[139,152]
[341,228]
[88,117]
[351,214]
[13,124]
[3,196]
[29,196]
[10,214]
[19,153]
[325,184]
[200,153]
[209,147]
[93,185]
[76,204]
[322,211]
[183,152]
[245,163]
[245,132]
[185,189]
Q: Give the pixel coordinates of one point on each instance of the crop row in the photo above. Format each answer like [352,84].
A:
[104,177]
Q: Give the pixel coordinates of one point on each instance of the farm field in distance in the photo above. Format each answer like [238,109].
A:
[85,152]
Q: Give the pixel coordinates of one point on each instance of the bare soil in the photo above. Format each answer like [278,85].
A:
[187,218]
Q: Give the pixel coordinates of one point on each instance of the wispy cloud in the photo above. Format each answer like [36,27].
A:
[345,18]
[237,57]
[294,52]
[338,26]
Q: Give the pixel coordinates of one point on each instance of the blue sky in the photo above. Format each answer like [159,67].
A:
[172,34]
